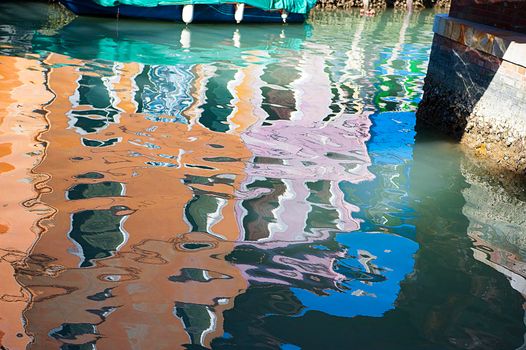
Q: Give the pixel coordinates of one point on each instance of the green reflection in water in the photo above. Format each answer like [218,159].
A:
[100,189]
[98,232]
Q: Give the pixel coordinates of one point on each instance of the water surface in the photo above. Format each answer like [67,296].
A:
[249,187]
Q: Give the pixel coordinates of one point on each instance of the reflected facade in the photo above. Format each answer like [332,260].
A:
[236,188]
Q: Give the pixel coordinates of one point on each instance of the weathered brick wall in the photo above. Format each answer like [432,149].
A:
[504,14]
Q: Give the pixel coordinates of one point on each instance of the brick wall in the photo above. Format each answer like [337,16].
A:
[504,14]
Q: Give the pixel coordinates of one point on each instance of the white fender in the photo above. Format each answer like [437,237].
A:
[284,16]
[188,13]
[238,15]
[185,38]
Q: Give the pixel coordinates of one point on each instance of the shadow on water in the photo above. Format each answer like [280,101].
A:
[271,194]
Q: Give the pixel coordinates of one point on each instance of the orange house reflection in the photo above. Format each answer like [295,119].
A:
[146,278]
[22,93]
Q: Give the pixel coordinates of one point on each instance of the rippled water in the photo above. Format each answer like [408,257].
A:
[250,187]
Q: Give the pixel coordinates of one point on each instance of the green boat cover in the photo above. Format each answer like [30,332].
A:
[292,6]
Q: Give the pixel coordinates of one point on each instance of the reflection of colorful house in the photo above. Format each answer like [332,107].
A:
[22,93]
[114,189]
[154,188]
[307,157]
[168,292]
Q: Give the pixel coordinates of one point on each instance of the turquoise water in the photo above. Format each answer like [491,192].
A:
[247,187]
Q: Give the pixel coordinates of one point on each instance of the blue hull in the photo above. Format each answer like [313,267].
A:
[223,13]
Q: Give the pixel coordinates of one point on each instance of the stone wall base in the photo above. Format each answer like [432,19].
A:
[473,93]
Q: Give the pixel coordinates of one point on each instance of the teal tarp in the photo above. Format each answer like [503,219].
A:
[292,6]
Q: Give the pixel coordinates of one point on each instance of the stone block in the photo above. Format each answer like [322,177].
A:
[508,45]
[476,96]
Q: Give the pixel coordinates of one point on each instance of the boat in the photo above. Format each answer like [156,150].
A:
[197,11]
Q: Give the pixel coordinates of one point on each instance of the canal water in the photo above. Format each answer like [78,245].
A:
[242,187]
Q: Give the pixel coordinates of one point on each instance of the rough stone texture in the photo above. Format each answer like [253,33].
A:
[477,97]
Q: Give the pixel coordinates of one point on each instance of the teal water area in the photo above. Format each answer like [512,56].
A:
[243,187]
